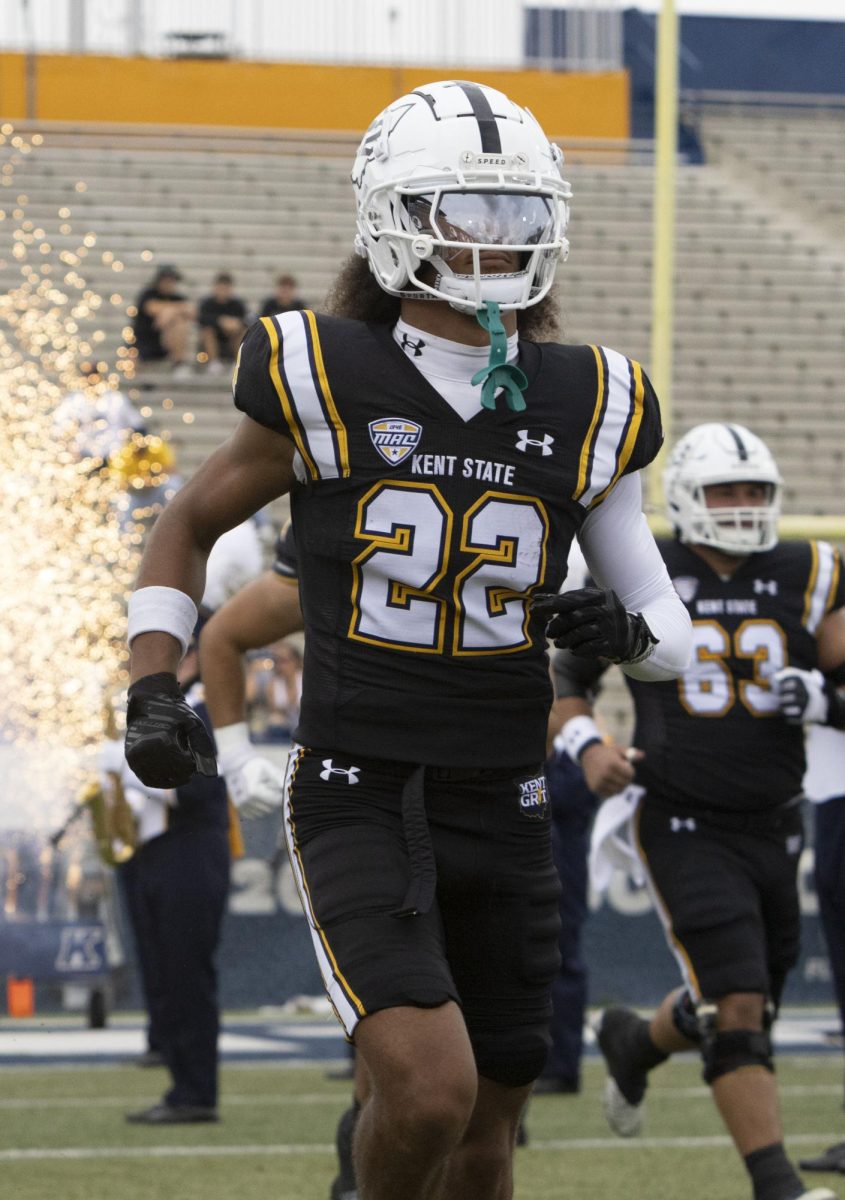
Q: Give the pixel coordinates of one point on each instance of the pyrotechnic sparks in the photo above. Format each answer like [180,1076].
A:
[69,533]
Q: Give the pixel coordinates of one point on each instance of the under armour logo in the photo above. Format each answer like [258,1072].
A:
[765,585]
[541,445]
[415,344]
[330,769]
[676,824]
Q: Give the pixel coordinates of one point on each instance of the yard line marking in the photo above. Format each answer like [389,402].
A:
[86,1152]
[238,1100]
[116,1101]
[669,1143]
[784,1089]
[77,1153]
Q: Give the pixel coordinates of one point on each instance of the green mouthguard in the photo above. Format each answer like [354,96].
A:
[499,373]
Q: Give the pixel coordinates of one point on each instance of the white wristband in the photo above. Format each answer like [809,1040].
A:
[578,733]
[162,610]
[229,736]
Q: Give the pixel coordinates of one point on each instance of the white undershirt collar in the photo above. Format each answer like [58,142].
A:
[449,366]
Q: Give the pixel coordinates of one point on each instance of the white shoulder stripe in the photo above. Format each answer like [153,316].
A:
[614,423]
[307,394]
[818,589]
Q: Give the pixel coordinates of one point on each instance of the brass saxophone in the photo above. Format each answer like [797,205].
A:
[113,822]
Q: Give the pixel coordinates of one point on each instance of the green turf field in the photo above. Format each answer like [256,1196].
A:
[62,1134]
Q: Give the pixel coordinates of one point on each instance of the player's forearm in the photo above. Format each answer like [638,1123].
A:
[173,560]
[176,554]
[561,712]
[622,554]
[248,471]
[669,622]
[223,676]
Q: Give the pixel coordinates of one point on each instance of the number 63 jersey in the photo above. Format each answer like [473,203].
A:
[421,536]
[714,738]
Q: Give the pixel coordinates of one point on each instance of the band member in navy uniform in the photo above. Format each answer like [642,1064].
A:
[719,761]
[440,459]
[180,883]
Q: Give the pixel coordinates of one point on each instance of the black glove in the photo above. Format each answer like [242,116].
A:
[593,622]
[166,742]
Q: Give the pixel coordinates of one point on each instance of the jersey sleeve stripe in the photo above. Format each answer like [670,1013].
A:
[319,369]
[616,423]
[811,582]
[834,582]
[630,430]
[285,399]
[819,586]
[585,461]
[315,412]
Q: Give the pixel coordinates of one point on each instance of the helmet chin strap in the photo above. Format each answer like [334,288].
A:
[499,373]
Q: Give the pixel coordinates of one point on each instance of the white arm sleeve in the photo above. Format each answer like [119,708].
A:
[622,554]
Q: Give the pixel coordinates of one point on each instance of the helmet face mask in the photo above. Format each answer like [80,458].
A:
[429,188]
[722,454]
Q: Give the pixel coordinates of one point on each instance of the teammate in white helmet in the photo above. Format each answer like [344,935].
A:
[712,806]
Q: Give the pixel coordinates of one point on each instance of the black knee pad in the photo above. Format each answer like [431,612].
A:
[734,1048]
[514,1057]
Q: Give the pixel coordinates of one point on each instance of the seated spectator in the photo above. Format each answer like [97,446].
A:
[222,320]
[284,299]
[163,321]
[273,692]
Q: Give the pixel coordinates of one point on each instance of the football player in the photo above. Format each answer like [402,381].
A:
[440,459]
[719,764]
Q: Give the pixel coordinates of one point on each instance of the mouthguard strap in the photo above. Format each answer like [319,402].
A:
[499,373]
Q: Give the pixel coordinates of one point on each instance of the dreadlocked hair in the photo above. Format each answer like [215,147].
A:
[355,294]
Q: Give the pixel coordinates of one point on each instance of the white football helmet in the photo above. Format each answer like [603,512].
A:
[454,165]
[722,453]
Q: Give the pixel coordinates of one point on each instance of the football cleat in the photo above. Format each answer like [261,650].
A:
[344,1186]
[818,1194]
[626,1120]
[626,1084]
[832,1159]
[337,1192]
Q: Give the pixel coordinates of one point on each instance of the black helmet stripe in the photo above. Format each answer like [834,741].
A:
[740,444]
[491,142]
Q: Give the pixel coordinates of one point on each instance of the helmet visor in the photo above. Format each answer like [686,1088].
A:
[484,218]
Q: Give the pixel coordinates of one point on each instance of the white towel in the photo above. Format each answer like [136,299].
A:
[612,841]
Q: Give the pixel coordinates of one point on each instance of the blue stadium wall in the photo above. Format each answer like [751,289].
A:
[266,955]
[718,54]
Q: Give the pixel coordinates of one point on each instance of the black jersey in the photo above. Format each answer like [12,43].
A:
[285,563]
[714,738]
[421,536]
